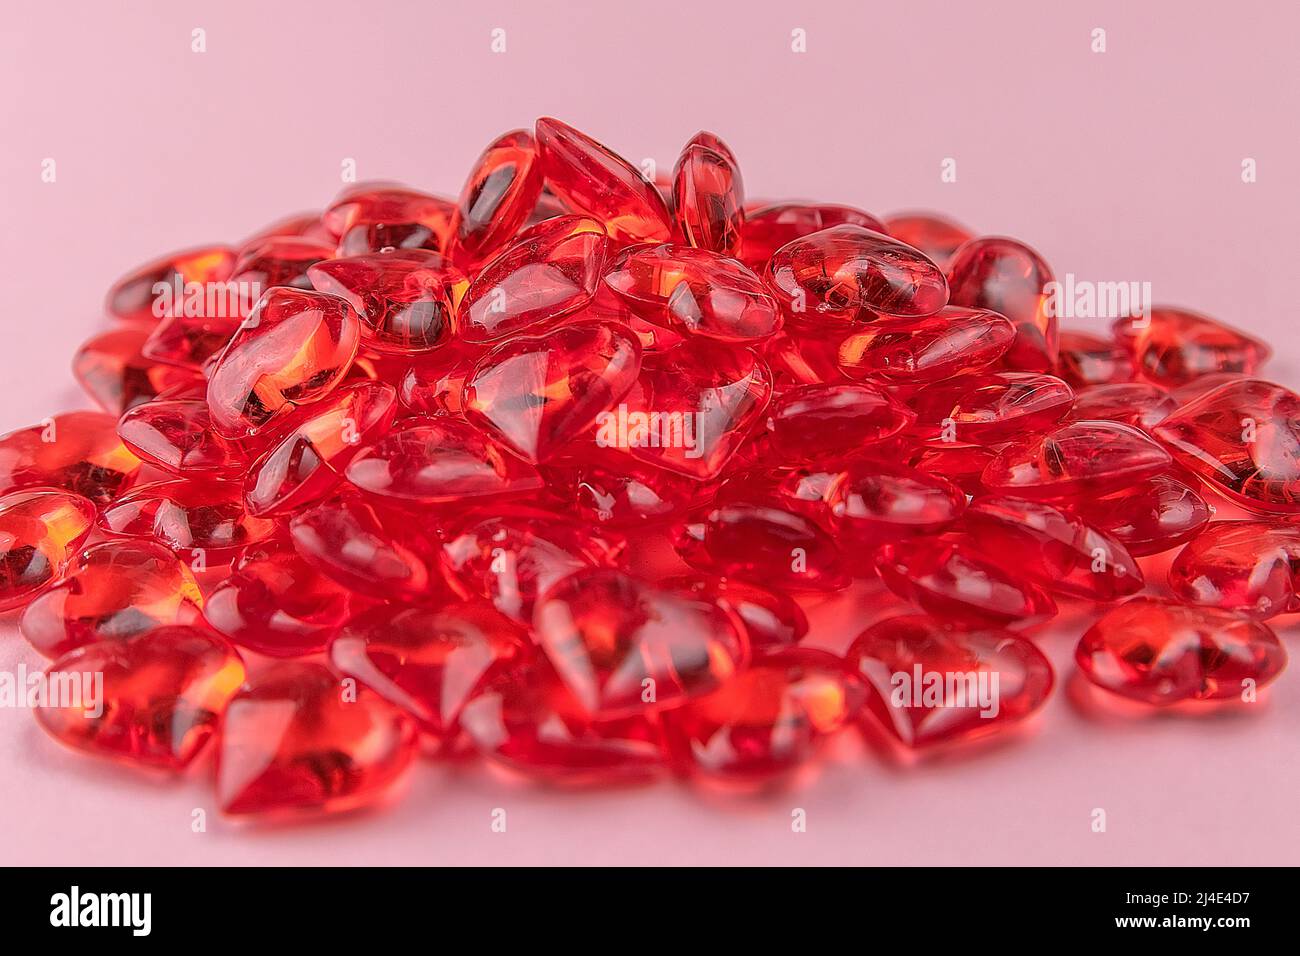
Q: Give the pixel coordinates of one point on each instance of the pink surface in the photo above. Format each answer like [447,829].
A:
[1117,166]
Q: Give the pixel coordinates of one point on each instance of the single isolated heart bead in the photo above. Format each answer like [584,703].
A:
[315,445]
[528,720]
[429,662]
[293,349]
[767,720]
[933,684]
[162,694]
[501,191]
[766,543]
[406,298]
[953,341]
[138,297]
[1243,439]
[547,272]
[846,270]
[112,591]
[694,291]
[1087,359]
[991,408]
[949,577]
[40,533]
[709,195]
[1009,278]
[298,740]
[538,393]
[873,503]
[707,399]
[1162,653]
[1075,461]
[819,422]
[624,648]
[1056,549]
[1148,518]
[772,619]
[114,372]
[1246,566]
[188,514]
[177,436]
[768,228]
[276,604]
[439,461]
[371,217]
[374,553]
[1174,346]
[511,560]
[75,451]
[591,179]
[935,235]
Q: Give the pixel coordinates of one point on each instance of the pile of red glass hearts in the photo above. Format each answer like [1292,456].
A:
[422,448]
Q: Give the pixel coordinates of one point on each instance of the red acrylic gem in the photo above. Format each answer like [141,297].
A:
[694,291]
[1139,404]
[293,349]
[1076,460]
[963,465]
[764,543]
[632,495]
[163,694]
[1174,346]
[1057,550]
[40,532]
[112,591]
[1246,566]
[948,577]
[1010,278]
[709,196]
[308,225]
[371,217]
[434,386]
[1159,652]
[537,393]
[317,444]
[371,553]
[1087,359]
[707,397]
[136,296]
[114,372]
[282,261]
[428,662]
[188,515]
[177,436]
[1243,439]
[846,271]
[591,179]
[626,649]
[527,719]
[296,741]
[953,341]
[817,422]
[934,235]
[76,451]
[934,684]
[991,408]
[406,298]
[772,619]
[872,503]
[1150,517]
[276,604]
[549,271]
[501,191]
[770,227]
[514,559]
[767,720]
[188,342]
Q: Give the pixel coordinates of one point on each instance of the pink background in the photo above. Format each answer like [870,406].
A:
[1117,166]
